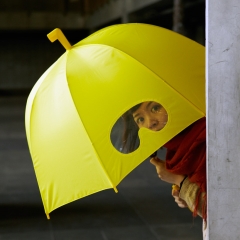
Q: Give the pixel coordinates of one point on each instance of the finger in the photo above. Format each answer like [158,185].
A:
[175,193]
[175,190]
[182,205]
[155,161]
[180,202]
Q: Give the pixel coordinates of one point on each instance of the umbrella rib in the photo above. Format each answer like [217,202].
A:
[99,160]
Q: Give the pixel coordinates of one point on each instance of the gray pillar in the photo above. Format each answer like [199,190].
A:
[223,113]
[124,18]
[178,16]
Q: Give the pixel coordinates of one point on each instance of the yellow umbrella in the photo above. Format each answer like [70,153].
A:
[73,107]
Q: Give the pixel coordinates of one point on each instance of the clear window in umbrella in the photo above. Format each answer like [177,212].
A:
[151,115]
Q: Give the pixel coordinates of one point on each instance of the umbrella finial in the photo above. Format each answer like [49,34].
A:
[57,34]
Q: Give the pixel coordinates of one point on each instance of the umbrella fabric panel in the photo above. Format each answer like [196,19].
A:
[29,104]
[105,82]
[65,162]
[176,59]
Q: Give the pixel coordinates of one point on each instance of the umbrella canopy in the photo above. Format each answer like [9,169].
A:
[73,107]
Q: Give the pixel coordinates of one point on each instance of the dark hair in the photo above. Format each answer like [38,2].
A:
[130,133]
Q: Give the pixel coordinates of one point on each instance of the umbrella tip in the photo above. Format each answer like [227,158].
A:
[115,189]
[48,217]
[57,34]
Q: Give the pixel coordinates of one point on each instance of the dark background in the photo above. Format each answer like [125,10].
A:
[144,208]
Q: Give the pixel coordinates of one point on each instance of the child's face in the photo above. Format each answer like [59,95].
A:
[151,115]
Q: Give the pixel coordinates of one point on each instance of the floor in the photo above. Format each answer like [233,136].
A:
[142,210]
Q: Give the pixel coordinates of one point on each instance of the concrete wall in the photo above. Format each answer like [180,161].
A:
[223,97]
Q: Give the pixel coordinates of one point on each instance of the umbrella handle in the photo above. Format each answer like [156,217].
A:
[154,155]
[57,34]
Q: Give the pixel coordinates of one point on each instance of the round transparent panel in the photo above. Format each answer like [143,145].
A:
[124,134]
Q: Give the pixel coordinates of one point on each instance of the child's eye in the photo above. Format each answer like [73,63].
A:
[140,120]
[156,108]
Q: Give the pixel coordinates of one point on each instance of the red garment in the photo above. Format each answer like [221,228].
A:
[186,155]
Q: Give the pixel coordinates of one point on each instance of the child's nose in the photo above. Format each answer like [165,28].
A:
[151,123]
